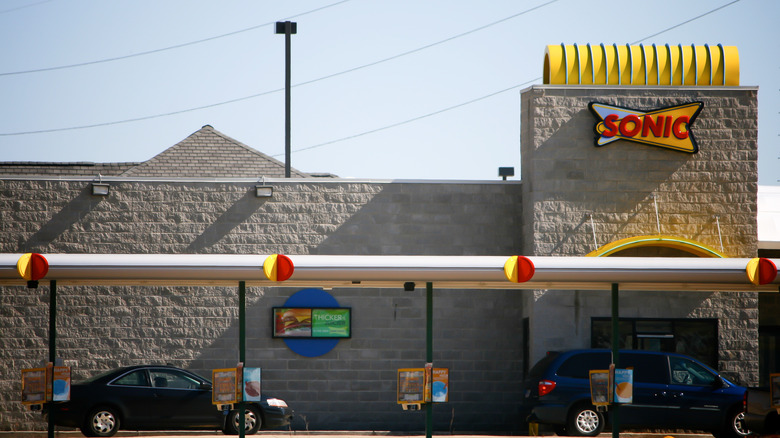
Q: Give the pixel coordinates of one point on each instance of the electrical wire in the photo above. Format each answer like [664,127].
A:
[487,96]
[44,131]
[163,49]
[5,11]
[352,70]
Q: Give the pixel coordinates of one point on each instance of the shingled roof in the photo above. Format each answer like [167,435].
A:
[84,168]
[206,153]
[209,153]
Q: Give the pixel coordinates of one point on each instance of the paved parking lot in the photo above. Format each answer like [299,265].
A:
[320,434]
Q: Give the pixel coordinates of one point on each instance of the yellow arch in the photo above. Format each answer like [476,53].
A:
[691,246]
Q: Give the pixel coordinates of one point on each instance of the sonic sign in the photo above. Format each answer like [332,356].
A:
[668,128]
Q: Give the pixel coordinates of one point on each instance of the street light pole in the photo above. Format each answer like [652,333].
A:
[287,28]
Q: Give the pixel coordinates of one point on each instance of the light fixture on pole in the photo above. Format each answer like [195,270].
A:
[99,188]
[287,28]
[506,171]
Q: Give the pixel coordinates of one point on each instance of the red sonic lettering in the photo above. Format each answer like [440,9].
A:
[668,128]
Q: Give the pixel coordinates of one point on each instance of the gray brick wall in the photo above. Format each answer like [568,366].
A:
[567,180]
[476,333]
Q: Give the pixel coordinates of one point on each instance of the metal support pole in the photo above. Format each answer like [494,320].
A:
[287,96]
[287,28]
[429,352]
[615,355]
[241,348]
[52,339]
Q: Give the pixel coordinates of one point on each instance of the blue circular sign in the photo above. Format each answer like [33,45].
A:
[311,298]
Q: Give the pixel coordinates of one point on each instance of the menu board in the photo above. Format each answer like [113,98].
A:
[423,385]
[225,386]
[34,385]
[599,387]
[312,322]
[42,385]
[411,385]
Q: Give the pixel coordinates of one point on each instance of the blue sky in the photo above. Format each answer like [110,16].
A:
[401,89]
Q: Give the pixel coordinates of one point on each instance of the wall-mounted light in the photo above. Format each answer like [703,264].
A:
[99,188]
[262,190]
[506,171]
[409,286]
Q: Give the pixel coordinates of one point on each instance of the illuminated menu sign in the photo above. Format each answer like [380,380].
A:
[312,322]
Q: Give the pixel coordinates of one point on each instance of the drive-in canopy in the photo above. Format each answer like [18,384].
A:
[365,271]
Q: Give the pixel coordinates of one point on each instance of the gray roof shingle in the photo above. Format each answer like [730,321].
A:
[206,153]
[209,153]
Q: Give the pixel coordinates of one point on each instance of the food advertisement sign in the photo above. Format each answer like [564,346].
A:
[224,388]
[411,385]
[61,384]
[624,386]
[441,385]
[307,322]
[252,384]
[33,385]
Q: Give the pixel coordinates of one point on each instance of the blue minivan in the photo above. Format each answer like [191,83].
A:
[670,391]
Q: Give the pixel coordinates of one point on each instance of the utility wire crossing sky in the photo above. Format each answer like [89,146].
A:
[381,89]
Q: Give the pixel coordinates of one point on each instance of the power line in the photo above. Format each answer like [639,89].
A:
[685,22]
[495,93]
[352,70]
[491,94]
[163,49]
[96,125]
[24,7]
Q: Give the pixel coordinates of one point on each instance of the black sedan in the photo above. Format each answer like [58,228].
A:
[156,397]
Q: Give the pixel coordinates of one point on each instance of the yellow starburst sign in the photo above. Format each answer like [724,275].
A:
[668,127]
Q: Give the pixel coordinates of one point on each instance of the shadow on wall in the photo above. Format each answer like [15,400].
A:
[64,220]
[567,181]
[238,213]
[430,219]
[583,173]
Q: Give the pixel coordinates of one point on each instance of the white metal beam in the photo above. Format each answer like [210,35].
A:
[365,271]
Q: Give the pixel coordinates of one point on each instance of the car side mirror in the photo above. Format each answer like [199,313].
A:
[718,383]
[205,386]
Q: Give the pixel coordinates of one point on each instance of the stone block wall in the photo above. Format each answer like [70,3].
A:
[573,190]
[477,334]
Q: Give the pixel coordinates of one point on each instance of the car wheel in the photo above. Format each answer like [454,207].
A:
[735,426]
[584,420]
[101,422]
[252,421]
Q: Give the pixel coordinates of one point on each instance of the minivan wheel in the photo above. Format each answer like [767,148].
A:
[584,420]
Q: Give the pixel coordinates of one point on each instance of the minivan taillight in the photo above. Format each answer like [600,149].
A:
[546,387]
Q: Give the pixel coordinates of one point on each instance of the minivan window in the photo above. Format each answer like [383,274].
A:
[688,372]
[579,365]
[542,365]
[648,368]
